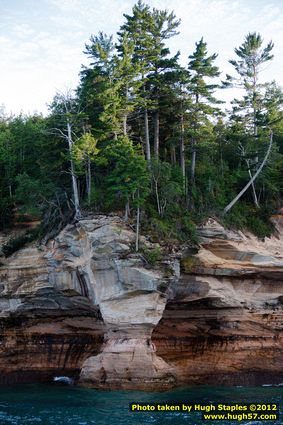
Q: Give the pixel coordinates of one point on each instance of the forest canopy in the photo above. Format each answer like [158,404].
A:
[150,139]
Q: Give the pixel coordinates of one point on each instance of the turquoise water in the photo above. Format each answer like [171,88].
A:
[54,405]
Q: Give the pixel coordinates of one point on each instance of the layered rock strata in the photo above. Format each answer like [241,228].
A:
[88,306]
[223,322]
[48,327]
[86,300]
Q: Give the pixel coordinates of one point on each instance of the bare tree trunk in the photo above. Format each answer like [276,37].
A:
[256,147]
[146,133]
[88,180]
[74,178]
[156,134]
[127,210]
[173,154]
[193,162]
[125,117]
[137,228]
[233,202]
[194,151]
[157,197]
[220,154]
[253,186]
[254,106]
[182,152]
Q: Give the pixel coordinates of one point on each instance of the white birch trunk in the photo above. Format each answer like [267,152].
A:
[146,131]
[74,178]
[182,153]
[156,135]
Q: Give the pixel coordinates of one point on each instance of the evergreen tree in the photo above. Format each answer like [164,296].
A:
[94,91]
[127,79]
[252,56]
[248,111]
[121,142]
[148,30]
[201,68]
[128,180]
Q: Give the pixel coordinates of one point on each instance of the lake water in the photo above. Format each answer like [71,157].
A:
[62,405]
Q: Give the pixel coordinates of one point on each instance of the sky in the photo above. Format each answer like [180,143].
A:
[42,41]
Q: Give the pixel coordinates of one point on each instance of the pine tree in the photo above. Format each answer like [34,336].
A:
[201,68]
[252,56]
[248,110]
[126,77]
[110,84]
[95,92]
[148,31]
[128,180]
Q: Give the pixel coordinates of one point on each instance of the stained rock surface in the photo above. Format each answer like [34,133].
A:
[223,322]
[85,301]
[87,306]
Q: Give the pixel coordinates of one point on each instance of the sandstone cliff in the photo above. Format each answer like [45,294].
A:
[88,306]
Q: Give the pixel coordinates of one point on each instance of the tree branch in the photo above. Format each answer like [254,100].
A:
[233,202]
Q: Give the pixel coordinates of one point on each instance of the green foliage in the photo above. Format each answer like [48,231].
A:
[135,100]
[32,195]
[128,179]
[260,226]
[201,105]
[168,187]
[153,255]
[245,217]
[85,148]
[178,229]
[188,264]
[187,231]
[161,229]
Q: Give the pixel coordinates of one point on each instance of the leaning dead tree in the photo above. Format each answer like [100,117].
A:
[65,103]
[74,177]
[243,154]
[251,181]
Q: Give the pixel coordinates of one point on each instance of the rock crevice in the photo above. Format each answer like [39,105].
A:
[88,306]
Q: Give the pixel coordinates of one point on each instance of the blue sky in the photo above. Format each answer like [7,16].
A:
[42,41]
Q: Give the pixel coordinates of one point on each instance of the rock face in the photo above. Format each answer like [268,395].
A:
[88,306]
[48,325]
[131,299]
[223,322]
[86,301]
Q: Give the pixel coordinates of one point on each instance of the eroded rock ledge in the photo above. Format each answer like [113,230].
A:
[88,306]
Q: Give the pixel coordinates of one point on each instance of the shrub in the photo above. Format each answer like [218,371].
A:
[153,255]
[259,227]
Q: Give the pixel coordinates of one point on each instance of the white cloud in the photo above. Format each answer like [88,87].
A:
[41,48]
[23,30]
